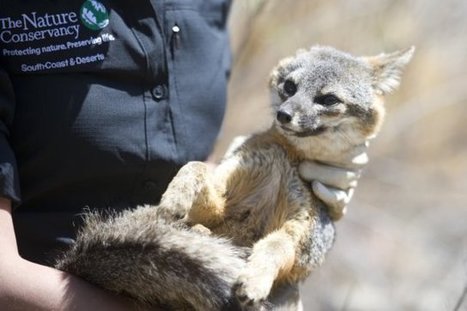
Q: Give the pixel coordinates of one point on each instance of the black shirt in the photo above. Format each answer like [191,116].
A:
[102,101]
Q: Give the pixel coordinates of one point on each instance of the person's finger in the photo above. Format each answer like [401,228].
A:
[330,175]
[335,199]
[353,159]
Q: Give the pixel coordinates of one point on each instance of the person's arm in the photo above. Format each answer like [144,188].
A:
[28,286]
[25,285]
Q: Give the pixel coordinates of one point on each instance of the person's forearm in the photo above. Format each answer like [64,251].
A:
[34,287]
[28,286]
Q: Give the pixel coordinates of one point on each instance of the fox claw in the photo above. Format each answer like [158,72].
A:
[252,297]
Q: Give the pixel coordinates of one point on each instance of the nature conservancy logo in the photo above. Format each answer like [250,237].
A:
[60,35]
[37,26]
[94,15]
[34,26]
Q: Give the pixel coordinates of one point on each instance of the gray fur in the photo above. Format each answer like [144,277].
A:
[118,252]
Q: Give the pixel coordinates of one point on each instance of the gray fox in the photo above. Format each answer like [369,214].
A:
[223,239]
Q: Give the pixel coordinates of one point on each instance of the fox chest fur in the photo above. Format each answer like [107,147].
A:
[262,190]
[256,191]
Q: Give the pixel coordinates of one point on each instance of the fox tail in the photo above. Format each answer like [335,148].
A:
[155,262]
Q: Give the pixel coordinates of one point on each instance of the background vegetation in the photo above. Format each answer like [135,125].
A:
[403,244]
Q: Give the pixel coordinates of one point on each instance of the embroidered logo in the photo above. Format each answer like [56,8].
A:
[94,15]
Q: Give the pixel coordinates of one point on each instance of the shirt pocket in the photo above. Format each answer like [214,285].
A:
[198,61]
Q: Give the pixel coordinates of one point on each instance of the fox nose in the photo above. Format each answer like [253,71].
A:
[283,117]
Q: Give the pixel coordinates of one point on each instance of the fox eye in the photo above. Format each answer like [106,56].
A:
[327,100]
[290,88]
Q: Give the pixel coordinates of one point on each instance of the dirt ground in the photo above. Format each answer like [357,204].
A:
[403,244]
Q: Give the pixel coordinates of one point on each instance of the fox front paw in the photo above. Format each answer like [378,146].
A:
[252,291]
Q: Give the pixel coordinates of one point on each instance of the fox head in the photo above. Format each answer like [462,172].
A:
[326,100]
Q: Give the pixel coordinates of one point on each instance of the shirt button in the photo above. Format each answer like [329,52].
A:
[158,92]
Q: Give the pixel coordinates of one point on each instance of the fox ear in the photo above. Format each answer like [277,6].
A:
[280,71]
[387,69]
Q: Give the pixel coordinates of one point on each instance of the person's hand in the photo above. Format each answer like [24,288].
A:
[334,182]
